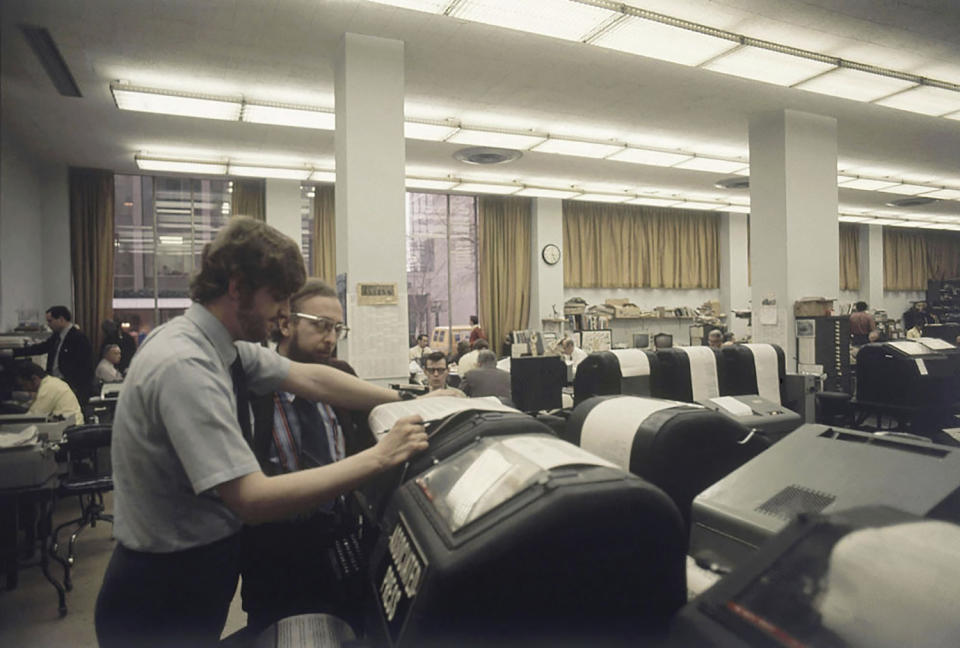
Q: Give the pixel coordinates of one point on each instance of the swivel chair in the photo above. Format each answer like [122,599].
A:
[86,450]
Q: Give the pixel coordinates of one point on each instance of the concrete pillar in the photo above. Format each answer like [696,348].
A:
[546,281]
[370,199]
[734,276]
[283,207]
[871,265]
[795,237]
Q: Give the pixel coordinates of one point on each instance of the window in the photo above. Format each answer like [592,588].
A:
[161,226]
[441,261]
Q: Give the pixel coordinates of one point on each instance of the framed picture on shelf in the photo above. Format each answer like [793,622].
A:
[599,340]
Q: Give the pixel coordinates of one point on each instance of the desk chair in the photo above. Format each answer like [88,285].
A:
[86,450]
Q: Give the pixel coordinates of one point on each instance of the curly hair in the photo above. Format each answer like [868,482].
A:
[254,252]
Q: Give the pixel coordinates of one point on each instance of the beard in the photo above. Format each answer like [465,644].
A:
[297,353]
[253,326]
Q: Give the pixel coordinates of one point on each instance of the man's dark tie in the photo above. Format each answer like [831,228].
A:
[314,446]
[242,395]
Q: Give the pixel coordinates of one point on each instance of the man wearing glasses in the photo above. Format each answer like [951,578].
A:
[435,366]
[284,565]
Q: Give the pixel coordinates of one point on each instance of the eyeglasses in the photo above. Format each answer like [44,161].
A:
[435,370]
[323,325]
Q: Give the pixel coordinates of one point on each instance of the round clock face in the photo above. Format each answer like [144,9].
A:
[551,254]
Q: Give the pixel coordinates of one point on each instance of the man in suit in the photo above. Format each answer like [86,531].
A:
[284,565]
[486,379]
[69,353]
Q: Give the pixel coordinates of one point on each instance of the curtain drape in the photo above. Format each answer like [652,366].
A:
[324,235]
[849,257]
[911,257]
[627,246]
[503,249]
[91,249]
[250,198]
[943,255]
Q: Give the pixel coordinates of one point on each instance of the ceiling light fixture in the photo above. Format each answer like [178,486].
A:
[288,115]
[169,102]
[579,148]
[495,138]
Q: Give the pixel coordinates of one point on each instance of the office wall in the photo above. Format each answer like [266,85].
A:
[21,233]
[55,209]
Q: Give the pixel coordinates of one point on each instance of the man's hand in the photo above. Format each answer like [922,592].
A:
[406,438]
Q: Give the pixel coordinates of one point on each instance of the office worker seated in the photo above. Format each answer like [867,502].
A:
[469,361]
[69,353]
[571,353]
[486,379]
[52,396]
[435,366]
[715,339]
[113,334]
[918,318]
[185,477]
[108,370]
[284,566]
[420,349]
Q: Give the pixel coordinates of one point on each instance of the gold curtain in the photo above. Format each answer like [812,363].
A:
[324,235]
[503,249]
[904,260]
[250,198]
[627,246]
[943,255]
[849,257]
[91,249]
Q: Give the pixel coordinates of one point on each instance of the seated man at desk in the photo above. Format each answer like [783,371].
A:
[108,371]
[571,353]
[53,396]
[435,366]
[469,360]
[486,379]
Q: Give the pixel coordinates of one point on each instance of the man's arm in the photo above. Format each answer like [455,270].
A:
[317,382]
[34,349]
[256,498]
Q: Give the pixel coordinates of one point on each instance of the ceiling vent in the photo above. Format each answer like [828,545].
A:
[41,42]
[487,155]
[736,182]
[912,201]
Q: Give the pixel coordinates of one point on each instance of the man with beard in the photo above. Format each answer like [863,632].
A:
[284,565]
[185,478]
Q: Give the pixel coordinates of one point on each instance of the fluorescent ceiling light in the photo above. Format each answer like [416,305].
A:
[892,222]
[485,188]
[282,115]
[738,200]
[946,194]
[745,171]
[557,18]
[925,100]
[848,83]
[767,65]
[735,209]
[660,41]
[323,176]
[170,240]
[955,115]
[693,204]
[604,198]
[425,131]
[431,6]
[180,166]
[866,184]
[844,218]
[576,147]
[710,164]
[547,193]
[647,156]
[426,183]
[478,137]
[906,189]
[269,172]
[185,104]
[652,202]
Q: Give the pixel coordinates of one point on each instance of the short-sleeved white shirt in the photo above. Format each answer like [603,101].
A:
[176,435]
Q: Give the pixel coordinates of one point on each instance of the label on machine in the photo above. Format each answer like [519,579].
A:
[398,577]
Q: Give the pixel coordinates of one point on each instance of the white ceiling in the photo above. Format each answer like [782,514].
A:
[283,50]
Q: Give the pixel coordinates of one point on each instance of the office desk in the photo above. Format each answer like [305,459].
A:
[29,477]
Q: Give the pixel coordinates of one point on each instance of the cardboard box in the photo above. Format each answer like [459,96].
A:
[812,307]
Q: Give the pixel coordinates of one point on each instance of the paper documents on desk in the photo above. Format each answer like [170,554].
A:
[732,406]
[382,417]
[28,436]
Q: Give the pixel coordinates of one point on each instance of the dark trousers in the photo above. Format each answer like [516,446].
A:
[171,599]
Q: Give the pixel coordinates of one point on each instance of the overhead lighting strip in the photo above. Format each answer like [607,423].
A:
[652,197]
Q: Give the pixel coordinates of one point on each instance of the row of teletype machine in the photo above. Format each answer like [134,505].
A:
[679,502]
